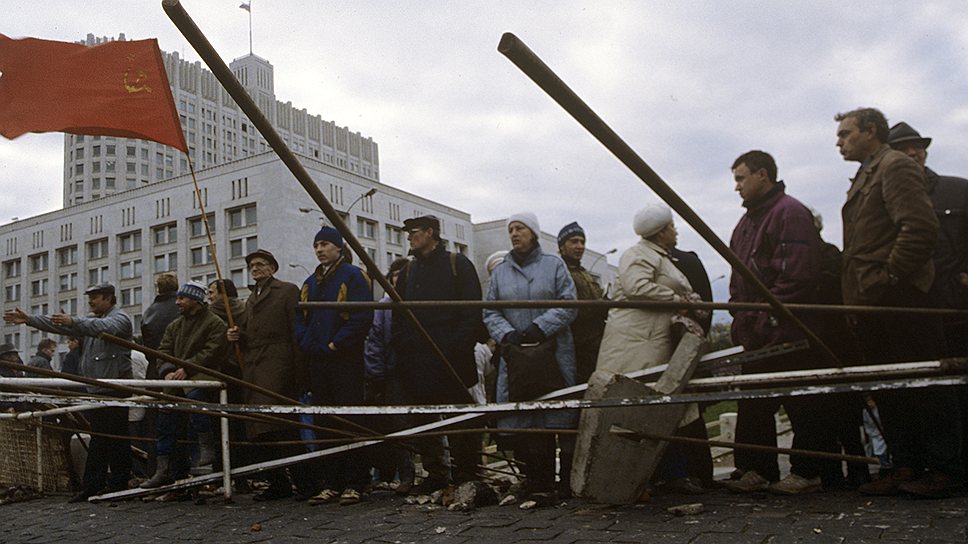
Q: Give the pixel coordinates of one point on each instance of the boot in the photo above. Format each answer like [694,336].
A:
[206,449]
[162,474]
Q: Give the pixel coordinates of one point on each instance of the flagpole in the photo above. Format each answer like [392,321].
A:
[250,26]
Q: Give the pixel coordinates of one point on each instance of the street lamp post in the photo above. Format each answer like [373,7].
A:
[600,257]
[295,265]
[369,193]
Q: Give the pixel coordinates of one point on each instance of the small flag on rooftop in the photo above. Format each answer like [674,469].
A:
[246,6]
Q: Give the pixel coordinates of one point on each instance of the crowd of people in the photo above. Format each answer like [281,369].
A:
[905,244]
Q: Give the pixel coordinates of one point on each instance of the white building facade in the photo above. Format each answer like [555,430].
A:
[129,237]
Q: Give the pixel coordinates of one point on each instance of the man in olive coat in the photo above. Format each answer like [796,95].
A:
[890,232]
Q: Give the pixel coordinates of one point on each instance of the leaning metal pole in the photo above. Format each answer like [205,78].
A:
[529,63]
[200,43]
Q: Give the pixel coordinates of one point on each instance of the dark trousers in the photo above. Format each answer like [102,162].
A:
[338,381]
[810,418]
[392,457]
[923,427]
[106,454]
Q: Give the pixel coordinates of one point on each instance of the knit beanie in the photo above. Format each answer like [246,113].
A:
[651,219]
[528,219]
[329,234]
[193,290]
[569,231]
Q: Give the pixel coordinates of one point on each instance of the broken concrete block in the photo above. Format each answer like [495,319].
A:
[612,469]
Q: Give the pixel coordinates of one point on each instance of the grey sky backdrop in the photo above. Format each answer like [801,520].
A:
[689,85]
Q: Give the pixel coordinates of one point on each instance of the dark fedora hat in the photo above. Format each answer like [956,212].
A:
[422,222]
[100,288]
[903,133]
[263,254]
[8,348]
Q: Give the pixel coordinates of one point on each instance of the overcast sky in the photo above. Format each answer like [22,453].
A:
[689,85]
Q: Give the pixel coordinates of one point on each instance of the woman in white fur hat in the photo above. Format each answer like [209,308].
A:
[637,339]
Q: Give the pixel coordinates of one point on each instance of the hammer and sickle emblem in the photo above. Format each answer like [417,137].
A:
[140,79]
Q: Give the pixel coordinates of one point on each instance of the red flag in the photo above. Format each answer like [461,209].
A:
[117,88]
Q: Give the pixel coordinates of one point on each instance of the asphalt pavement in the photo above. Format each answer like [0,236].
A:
[843,517]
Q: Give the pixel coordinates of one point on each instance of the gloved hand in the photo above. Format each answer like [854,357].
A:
[513,338]
[533,335]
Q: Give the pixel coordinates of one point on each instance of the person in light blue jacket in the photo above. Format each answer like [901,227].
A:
[527,273]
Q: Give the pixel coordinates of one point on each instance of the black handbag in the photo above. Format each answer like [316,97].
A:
[532,370]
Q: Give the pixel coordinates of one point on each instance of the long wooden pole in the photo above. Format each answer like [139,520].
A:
[529,63]
[176,12]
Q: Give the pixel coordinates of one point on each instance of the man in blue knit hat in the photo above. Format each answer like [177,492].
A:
[333,343]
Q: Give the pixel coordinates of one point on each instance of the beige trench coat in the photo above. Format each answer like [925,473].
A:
[637,339]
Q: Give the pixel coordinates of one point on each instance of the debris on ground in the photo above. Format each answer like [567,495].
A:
[691,509]
[18,493]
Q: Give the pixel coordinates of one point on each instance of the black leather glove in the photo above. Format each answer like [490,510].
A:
[533,335]
[514,338]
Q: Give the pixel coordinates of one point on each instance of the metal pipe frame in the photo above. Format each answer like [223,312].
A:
[642,304]
[176,12]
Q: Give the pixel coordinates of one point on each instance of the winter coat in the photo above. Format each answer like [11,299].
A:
[379,361]
[99,358]
[198,339]
[315,329]
[589,325]
[889,228]
[539,277]
[689,264]
[438,276]
[636,339]
[39,360]
[237,307]
[269,355]
[779,243]
[949,195]
[158,315]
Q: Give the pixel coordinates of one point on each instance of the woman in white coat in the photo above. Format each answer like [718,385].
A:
[636,339]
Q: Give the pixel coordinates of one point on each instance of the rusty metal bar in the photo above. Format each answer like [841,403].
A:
[804,387]
[176,12]
[529,63]
[644,304]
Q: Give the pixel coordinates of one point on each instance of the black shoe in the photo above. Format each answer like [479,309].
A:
[273,494]
[82,496]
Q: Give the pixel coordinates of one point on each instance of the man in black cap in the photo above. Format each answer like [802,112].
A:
[9,354]
[437,274]
[102,360]
[949,196]
[588,327]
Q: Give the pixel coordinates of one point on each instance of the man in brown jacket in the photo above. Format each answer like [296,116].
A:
[270,359]
[890,232]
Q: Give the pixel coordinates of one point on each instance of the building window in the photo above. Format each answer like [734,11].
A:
[243,246]
[130,242]
[69,305]
[166,263]
[39,262]
[97,275]
[109,150]
[165,234]
[38,288]
[196,228]
[242,217]
[12,338]
[395,235]
[205,279]
[40,309]
[131,296]
[12,292]
[392,256]
[109,183]
[240,277]
[460,248]
[98,249]
[201,255]
[68,281]
[11,269]
[67,256]
[365,228]
[131,269]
